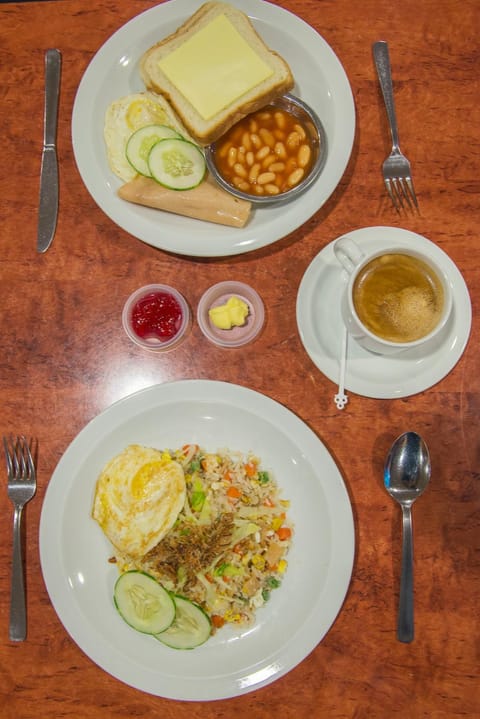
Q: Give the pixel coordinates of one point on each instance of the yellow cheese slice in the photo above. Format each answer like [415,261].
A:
[214,67]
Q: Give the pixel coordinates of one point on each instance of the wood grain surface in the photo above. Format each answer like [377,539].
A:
[64,358]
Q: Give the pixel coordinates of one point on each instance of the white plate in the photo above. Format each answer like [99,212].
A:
[74,552]
[320,324]
[113,73]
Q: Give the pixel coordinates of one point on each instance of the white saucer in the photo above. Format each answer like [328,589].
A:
[321,327]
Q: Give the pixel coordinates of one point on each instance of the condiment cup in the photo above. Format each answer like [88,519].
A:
[236,336]
[318,140]
[153,343]
[353,259]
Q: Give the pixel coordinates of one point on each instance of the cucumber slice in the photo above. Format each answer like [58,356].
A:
[143,603]
[141,142]
[190,628]
[177,164]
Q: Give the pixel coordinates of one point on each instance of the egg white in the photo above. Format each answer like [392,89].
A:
[128,114]
[138,496]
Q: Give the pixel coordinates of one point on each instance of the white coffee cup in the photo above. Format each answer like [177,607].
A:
[354,260]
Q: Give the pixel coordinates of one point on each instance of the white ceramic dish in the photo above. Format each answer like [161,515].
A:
[321,327]
[113,72]
[74,552]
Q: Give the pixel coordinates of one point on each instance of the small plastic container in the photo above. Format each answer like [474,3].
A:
[219,294]
[156,317]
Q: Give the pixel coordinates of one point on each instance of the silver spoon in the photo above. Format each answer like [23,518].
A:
[406,475]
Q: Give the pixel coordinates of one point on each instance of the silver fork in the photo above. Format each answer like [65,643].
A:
[21,488]
[396,168]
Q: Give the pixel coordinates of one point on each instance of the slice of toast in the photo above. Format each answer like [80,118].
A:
[234,89]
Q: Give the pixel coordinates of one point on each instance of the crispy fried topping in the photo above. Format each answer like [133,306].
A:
[192,547]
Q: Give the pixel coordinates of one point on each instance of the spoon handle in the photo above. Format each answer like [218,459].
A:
[405,627]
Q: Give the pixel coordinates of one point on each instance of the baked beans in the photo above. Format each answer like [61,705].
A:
[266,153]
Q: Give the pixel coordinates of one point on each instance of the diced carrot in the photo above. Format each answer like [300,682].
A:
[284,533]
[190,448]
[228,475]
[238,549]
[268,502]
[217,621]
[251,469]
[209,578]
[233,492]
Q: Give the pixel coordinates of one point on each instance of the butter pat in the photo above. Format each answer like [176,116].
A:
[214,67]
[232,314]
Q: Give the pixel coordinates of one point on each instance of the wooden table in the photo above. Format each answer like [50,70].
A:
[65,358]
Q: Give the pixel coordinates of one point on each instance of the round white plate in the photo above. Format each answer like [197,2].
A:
[321,327]
[74,552]
[114,72]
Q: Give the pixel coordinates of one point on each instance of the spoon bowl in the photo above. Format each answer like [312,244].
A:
[406,476]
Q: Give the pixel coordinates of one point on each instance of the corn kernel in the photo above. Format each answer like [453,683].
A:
[276,523]
[258,561]
[282,565]
[229,616]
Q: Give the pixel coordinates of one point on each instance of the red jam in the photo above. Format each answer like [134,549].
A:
[157,315]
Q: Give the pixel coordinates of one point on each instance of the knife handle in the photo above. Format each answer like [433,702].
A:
[53,62]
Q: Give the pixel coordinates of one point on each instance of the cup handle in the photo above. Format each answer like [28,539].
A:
[348,253]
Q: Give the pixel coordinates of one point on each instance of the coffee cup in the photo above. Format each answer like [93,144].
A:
[396,298]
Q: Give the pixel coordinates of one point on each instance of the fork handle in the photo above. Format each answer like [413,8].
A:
[382,63]
[18,619]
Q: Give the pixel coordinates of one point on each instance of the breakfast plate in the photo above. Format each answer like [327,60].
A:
[114,72]
[74,552]
[321,327]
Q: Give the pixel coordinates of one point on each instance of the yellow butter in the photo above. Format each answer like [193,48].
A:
[214,67]
[232,314]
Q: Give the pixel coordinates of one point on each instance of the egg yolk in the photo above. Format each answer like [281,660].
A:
[141,481]
[144,112]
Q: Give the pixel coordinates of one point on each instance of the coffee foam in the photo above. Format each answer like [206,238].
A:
[411,311]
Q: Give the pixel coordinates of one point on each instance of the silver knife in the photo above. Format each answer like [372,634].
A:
[48,210]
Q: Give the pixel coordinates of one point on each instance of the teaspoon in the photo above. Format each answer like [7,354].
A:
[406,475]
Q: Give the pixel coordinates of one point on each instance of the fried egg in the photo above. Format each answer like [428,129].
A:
[138,496]
[128,114]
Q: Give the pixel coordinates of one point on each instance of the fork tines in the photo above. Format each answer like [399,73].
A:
[19,458]
[400,190]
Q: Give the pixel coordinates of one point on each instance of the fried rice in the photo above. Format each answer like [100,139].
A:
[227,549]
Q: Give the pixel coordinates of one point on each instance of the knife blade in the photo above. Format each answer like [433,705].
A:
[48,204]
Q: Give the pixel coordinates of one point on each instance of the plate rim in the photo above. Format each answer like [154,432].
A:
[213,240]
[267,671]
